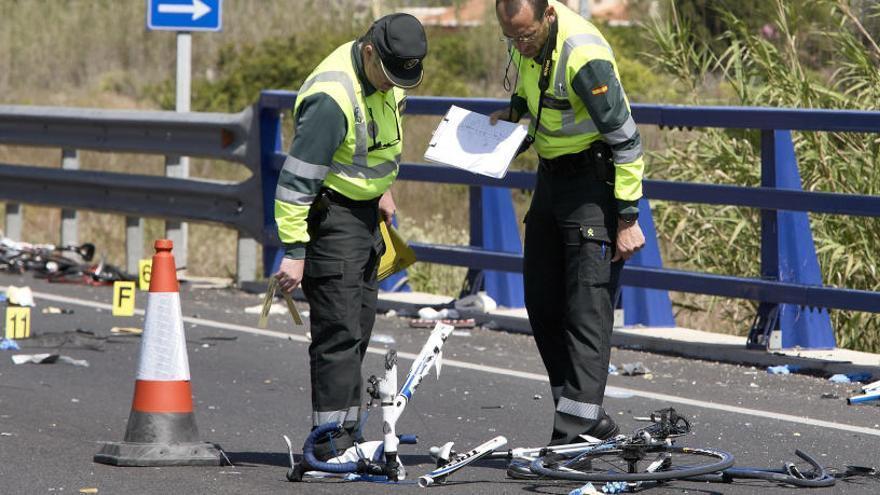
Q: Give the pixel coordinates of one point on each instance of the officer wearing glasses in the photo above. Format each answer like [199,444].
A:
[332,193]
[582,223]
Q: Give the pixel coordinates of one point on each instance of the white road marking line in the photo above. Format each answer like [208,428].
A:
[498,371]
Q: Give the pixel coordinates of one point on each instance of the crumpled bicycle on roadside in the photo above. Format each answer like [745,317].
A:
[67,264]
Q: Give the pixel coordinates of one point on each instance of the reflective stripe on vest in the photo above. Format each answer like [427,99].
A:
[360,125]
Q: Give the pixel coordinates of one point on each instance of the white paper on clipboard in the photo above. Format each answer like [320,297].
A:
[466,140]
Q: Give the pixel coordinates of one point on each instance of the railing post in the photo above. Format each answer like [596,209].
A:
[787,255]
[14,221]
[177,231]
[134,243]
[246,258]
[271,142]
[764,333]
[69,231]
[473,282]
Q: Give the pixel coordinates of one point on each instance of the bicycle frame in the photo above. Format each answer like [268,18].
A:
[393,403]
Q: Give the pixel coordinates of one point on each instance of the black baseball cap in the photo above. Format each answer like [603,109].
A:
[400,41]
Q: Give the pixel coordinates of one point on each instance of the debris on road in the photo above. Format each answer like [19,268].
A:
[54,310]
[783,369]
[612,370]
[127,330]
[47,358]
[20,296]
[429,313]
[829,395]
[76,339]
[587,489]
[537,397]
[9,345]
[381,338]
[632,369]
[476,302]
[850,377]
[456,323]
[34,358]
[75,362]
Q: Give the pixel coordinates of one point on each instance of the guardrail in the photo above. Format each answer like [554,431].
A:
[769,290]
[253,138]
[229,137]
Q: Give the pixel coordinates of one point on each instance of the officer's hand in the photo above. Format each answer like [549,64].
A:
[387,207]
[290,274]
[629,240]
[503,114]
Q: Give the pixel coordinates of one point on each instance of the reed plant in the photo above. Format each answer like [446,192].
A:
[771,68]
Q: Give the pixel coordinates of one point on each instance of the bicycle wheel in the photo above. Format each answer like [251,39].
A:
[636,463]
[790,474]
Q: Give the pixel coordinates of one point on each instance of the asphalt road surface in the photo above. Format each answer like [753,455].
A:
[251,386]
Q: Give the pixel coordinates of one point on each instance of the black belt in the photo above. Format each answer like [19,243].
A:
[595,161]
[338,198]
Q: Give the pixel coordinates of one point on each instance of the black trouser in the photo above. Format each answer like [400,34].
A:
[339,282]
[570,283]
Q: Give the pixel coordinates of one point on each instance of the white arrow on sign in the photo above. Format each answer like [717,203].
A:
[197,8]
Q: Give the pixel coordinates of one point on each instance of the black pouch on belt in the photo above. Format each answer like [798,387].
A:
[602,160]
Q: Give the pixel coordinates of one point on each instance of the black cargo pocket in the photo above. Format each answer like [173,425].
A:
[594,264]
[318,268]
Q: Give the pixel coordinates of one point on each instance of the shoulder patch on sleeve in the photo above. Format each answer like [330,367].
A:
[601,90]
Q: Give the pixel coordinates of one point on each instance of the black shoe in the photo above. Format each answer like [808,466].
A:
[519,469]
[565,426]
[603,429]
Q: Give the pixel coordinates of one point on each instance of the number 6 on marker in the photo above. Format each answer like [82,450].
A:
[18,323]
[145,268]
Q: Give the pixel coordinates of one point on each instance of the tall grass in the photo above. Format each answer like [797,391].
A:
[47,45]
[773,71]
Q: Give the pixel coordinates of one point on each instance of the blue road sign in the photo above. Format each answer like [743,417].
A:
[184,15]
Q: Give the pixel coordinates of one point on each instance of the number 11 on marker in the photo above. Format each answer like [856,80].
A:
[18,323]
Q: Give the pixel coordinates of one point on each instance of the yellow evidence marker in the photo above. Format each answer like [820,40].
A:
[18,322]
[145,267]
[123,298]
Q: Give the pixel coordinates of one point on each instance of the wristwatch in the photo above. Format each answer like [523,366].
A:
[628,218]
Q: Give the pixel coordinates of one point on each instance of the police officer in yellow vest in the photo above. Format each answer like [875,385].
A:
[332,193]
[583,220]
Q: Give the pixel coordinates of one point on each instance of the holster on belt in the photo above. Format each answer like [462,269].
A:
[596,160]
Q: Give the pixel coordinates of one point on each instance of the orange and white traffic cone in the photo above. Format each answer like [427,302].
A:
[161,428]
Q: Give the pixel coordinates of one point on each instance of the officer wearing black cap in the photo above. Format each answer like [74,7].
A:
[332,193]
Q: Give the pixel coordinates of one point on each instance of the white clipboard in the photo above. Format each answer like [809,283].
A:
[466,140]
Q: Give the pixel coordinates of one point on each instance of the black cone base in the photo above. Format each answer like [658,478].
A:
[160,439]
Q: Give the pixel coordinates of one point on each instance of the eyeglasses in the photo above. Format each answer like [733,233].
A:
[378,145]
[525,38]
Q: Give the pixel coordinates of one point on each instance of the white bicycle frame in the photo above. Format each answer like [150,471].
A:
[393,402]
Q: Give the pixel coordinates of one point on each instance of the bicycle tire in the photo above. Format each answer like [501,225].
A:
[820,477]
[717,460]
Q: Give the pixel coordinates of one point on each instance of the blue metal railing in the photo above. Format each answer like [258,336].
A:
[768,197]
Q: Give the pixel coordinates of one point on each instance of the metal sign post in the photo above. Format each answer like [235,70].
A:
[183,16]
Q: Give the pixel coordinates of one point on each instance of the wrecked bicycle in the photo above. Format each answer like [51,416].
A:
[650,457]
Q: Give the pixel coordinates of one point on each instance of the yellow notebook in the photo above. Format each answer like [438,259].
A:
[398,255]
